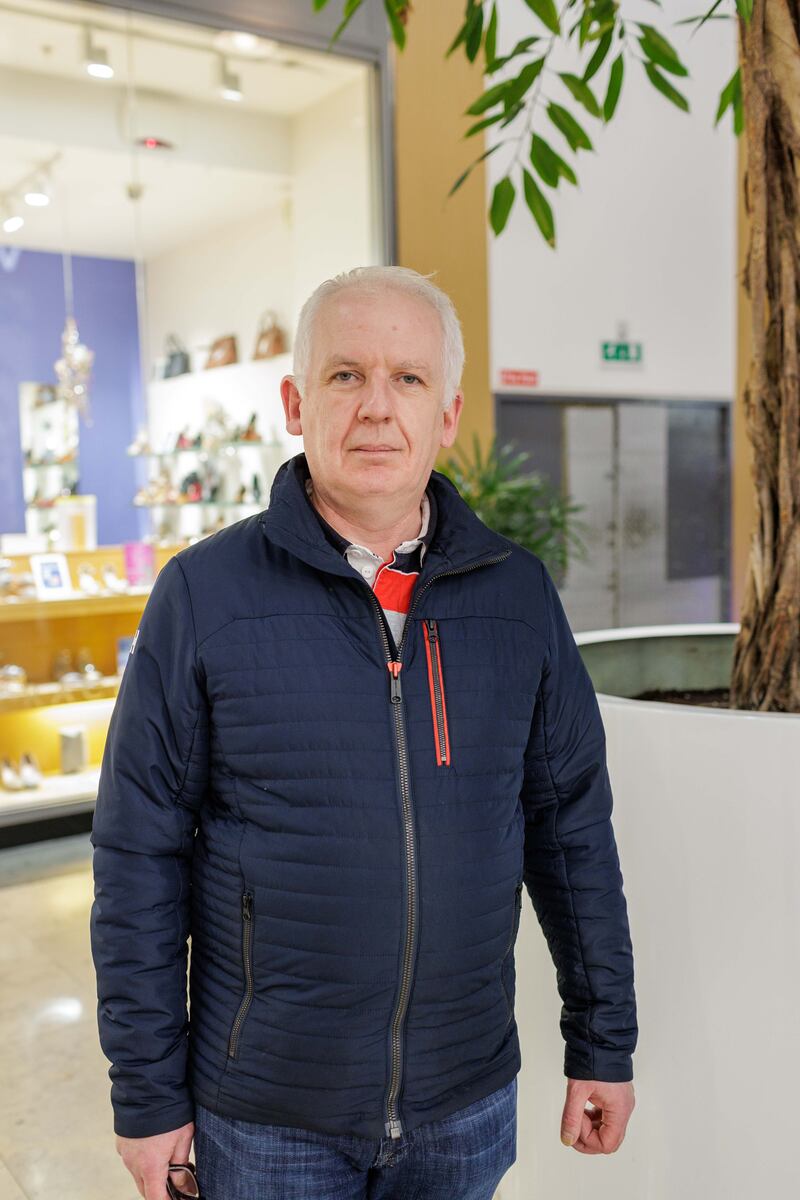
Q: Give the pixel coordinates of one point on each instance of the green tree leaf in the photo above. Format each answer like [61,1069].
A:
[480,158]
[490,42]
[745,9]
[665,87]
[598,58]
[319,4]
[711,15]
[572,131]
[731,97]
[547,13]
[654,49]
[395,24]
[520,48]
[509,91]
[523,81]
[549,165]
[581,91]
[502,200]
[473,129]
[615,77]
[539,206]
[492,95]
[474,33]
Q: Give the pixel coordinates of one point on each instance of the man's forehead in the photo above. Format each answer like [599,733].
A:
[404,364]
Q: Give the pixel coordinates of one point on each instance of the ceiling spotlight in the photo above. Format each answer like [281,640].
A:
[96,59]
[243,44]
[246,43]
[38,194]
[11,221]
[230,84]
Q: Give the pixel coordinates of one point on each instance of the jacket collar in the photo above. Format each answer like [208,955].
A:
[421,542]
[460,538]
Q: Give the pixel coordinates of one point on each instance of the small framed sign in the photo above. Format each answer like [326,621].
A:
[51,574]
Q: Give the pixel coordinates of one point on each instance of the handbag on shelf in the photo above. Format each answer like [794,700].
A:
[177,358]
[223,352]
[270,338]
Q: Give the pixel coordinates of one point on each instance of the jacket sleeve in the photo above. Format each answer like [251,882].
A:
[571,867]
[152,784]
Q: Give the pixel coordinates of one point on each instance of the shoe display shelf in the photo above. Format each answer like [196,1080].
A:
[195,489]
[49,437]
[33,633]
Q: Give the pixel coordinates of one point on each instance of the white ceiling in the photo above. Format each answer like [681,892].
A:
[229,161]
[47,37]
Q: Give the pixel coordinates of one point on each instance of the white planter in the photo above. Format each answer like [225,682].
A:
[707,820]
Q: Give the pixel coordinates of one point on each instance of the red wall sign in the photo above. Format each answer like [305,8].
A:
[511,378]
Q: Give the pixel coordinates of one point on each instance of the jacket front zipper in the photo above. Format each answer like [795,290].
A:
[247,961]
[393,1124]
[436,684]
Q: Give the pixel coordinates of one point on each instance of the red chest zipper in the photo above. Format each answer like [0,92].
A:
[441,735]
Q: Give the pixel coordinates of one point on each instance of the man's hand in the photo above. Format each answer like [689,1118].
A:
[600,1128]
[148,1159]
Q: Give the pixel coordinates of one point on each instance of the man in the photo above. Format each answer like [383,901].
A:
[352,729]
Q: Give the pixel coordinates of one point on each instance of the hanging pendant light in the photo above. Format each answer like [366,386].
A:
[73,369]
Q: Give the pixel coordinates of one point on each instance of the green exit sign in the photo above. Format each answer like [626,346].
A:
[622,352]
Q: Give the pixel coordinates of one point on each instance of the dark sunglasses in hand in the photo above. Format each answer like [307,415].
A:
[176,1193]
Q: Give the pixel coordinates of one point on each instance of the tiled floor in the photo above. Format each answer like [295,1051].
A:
[56,1132]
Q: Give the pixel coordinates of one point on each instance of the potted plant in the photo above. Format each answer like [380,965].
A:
[523,506]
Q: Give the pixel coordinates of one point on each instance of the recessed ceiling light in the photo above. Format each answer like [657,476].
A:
[38,194]
[230,84]
[96,59]
[237,41]
[12,221]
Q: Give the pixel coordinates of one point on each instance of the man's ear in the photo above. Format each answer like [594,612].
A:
[292,400]
[450,419]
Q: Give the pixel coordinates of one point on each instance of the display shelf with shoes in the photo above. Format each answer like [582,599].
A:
[233,462]
[208,434]
[55,795]
[61,665]
[49,437]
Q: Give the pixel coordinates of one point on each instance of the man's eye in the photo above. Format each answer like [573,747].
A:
[412,377]
[338,373]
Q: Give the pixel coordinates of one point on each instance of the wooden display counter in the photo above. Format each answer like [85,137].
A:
[32,633]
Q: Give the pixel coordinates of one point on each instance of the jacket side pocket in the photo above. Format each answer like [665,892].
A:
[247,963]
[441,734]
[507,957]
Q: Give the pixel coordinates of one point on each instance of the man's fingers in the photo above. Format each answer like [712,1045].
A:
[155,1184]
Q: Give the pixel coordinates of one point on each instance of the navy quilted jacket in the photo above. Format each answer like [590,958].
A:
[347,837]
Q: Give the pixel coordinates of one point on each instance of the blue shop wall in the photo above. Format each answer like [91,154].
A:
[31,323]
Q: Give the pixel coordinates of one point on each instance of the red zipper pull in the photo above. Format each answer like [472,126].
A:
[396,692]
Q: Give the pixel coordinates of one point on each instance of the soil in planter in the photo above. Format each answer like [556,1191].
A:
[710,697]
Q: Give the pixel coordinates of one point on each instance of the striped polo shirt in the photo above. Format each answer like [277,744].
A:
[391,580]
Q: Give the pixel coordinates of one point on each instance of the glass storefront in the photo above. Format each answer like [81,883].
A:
[170,192]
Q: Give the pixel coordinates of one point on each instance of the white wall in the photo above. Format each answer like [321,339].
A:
[222,284]
[336,208]
[647,238]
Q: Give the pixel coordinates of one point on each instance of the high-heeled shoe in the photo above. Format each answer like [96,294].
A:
[29,772]
[9,777]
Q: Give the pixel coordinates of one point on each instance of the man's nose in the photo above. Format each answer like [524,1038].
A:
[376,398]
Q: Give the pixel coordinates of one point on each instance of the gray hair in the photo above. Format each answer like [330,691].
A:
[374,281]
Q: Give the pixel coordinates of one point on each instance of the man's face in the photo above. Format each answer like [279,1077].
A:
[371,419]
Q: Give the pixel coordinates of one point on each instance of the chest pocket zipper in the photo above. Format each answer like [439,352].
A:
[509,950]
[247,962]
[441,735]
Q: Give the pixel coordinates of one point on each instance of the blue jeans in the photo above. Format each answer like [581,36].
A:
[461,1157]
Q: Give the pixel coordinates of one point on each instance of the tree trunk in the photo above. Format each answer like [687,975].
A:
[766,663]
